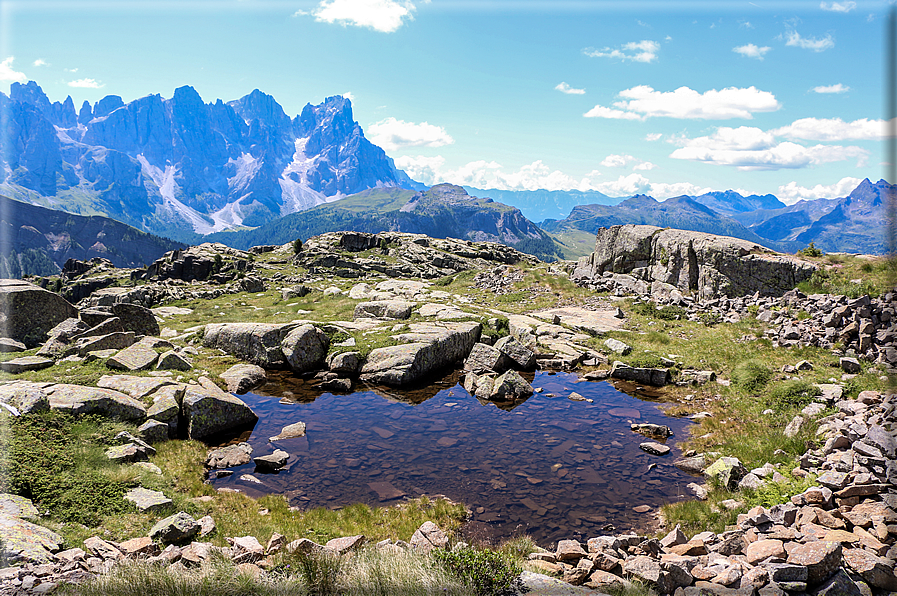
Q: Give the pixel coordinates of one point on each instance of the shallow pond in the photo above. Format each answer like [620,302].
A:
[550,467]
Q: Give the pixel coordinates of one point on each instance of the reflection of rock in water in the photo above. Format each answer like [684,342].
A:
[507,406]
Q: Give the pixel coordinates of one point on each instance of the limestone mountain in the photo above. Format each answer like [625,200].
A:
[729,202]
[539,205]
[444,211]
[182,167]
[38,241]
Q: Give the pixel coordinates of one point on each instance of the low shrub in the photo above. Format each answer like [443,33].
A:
[487,572]
[752,376]
[667,313]
[792,394]
[644,361]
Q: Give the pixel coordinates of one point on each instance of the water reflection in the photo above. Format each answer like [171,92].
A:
[547,466]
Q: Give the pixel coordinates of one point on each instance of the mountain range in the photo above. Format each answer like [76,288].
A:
[244,172]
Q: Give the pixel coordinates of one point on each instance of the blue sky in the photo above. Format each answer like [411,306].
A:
[658,97]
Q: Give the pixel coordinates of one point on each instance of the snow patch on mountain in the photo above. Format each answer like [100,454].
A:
[246,167]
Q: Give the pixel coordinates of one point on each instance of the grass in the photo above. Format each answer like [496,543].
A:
[850,275]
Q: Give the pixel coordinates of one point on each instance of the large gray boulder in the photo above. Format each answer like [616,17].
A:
[240,378]
[28,312]
[25,397]
[78,399]
[383,309]
[705,264]
[258,343]
[427,347]
[658,377]
[208,410]
[304,348]
[136,318]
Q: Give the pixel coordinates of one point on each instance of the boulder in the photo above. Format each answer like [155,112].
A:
[136,318]
[118,340]
[258,343]
[727,470]
[510,386]
[77,399]
[428,537]
[483,358]
[518,355]
[154,431]
[703,264]
[242,377]
[821,558]
[615,345]
[26,363]
[291,431]
[346,363]
[25,397]
[383,309]
[173,360]
[11,345]
[147,500]
[176,528]
[134,358]
[136,387]
[208,410]
[230,456]
[305,348]
[28,312]
[432,346]
[271,462]
[657,377]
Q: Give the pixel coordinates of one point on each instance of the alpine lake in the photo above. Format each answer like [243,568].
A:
[550,467]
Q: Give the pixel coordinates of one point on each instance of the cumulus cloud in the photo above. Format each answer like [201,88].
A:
[634,184]
[643,102]
[833,129]
[565,88]
[85,83]
[837,88]
[385,16]
[748,148]
[634,51]
[838,6]
[8,75]
[793,38]
[392,134]
[40,62]
[653,136]
[792,192]
[644,166]
[752,51]
[622,161]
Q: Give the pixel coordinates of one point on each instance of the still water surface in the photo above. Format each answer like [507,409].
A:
[549,467]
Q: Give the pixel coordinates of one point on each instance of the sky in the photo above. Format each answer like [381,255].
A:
[663,98]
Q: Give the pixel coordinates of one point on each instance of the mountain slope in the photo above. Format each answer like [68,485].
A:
[729,202]
[34,240]
[539,205]
[682,213]
[182,167]
[443,211]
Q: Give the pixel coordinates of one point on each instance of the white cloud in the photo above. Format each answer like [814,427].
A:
[71,70]
[617,161]
[644,166]
[348,95]
[644,102]
[490,174]
[833,129]
[792,193]
[752,51]
[40,62]
[653,136]
[8,75]
[634,184]
[421,168]
[748,148]
[636,51]
[565,88]
[837,88]
[809,43]
[392,134]
[745,24]
[85,83]
[838,6]
[385,16]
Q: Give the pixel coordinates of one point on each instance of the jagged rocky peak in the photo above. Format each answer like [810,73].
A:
[261,106]
[107,105]
[60,114]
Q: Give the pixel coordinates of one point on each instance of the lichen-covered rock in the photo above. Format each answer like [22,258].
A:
[304,348]
[118,340]
[258,343]
[229,456]
[242,377]
[28,312]
[520,356]
[25,397]
[383,309]
[26,363]
[821,558]
[208,410]
[510,386]
[24,541]
[133,358]
[77,399]
[153,431]
[432,346]
[176,528]
[147,500]
[428,537]
[136,318]
[483,358]
[346,363]
[136,387]
[173,360]
[658,377]
[705,264]
[727,470]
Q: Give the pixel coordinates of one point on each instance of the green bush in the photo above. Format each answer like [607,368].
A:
[644,361]
[752,376]
[297,246]
[810,251]
[667,313]
[792,394]
[487,572]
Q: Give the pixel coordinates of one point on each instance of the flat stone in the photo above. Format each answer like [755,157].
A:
[654,448]
[147,500]
[136,357]
[230,456]
[179,527]
[820,558]
[172,360]
[136,387]
[79,400]
[242,377]
[763,549]
[385,491]
[11,345]
[271,462]
[291,431]
[25,363]
[112,341]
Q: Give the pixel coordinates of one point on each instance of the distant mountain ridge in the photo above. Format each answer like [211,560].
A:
[38,241]
[443,211]
[182,167]
[539,205]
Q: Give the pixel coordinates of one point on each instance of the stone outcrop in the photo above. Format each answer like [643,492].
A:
[208,410]
[28,312]
[209,261]
[258,343]
[425,348]
[703,264]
